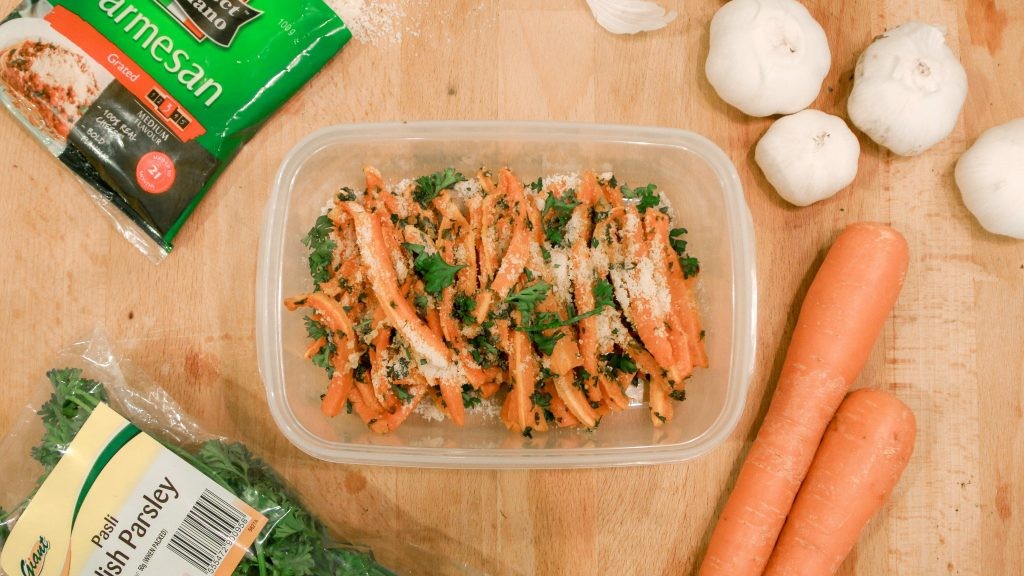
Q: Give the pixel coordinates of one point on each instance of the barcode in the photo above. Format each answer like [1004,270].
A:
[208,532]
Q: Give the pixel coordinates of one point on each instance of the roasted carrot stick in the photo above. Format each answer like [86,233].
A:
[844,311]
[381,273]
[865,450]
[337,394]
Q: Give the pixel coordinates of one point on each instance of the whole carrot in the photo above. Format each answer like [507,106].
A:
[860,460]
[842,315]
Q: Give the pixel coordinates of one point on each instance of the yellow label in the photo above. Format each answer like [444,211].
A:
[119,503]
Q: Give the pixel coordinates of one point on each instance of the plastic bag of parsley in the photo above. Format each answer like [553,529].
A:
[109,477]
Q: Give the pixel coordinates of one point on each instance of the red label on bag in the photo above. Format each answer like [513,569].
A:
[155,172]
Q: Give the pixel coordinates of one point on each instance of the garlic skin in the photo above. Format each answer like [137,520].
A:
[908,89]
[990,176]
[808,156]
[630,16]
[767,56]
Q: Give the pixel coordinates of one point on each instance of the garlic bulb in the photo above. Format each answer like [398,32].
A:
[990,176]
[767,56]
[908,89]
[630,16]
[808,156]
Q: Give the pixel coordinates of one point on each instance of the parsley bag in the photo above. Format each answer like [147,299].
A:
[105,475]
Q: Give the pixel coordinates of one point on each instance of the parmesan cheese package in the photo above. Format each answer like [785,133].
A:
[147,101]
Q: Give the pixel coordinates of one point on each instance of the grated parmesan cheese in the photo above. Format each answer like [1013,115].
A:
[375,21]
[466,190]
[560,274]
[565,181]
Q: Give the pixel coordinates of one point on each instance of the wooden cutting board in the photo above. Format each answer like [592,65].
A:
[953,350]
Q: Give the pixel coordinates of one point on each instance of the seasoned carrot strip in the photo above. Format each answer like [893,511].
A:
[684,306]
[450,330]
[315,347]
[641,312]
[511,268]
[575,400]
[664,259]
[381,273]
[563,417]
[524,367]
[334,318]
[369,398]
[565,357]
[337,395]
[489,388]
[615,398]
[589,189]
[391,420]
[583,291]
[374,180]
[658,388]
[451,391]
[661,407]
[366,413]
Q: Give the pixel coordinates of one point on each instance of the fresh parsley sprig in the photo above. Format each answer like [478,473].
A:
[690,265]
[648,196]
[432,269]
[428,187]
[603,298]
[316,331]
[321,247]
[556,214]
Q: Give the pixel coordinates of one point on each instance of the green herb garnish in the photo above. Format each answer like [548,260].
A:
[470,397]
[321,248]
[647,196]
[556,215]
[432,269]
[463,307]
[428,187]
[316,331]
[690,265]
[615,362]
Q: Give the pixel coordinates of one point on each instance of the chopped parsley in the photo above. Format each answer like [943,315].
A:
[398,370]
[470,397]
[428,187]
[463,307]
[647,197]
[679,395]
[484,350]
[321,247]
[602,291]
[322,359]
[404,395]
[690,265]
[432,269]
[619,363]
[556,215]
[541,399]
[527,299]
[347,194]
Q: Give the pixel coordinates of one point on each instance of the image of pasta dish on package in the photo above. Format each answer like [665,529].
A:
[144,101]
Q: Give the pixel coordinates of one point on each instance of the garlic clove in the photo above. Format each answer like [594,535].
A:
[908,89]
[630,16]
[808,156]
[990,176]
[767,56]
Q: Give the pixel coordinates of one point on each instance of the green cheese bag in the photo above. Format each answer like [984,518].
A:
[147,101]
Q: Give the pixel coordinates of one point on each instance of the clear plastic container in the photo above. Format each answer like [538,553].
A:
[704,190]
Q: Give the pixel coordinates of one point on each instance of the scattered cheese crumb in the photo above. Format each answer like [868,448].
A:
[466,190]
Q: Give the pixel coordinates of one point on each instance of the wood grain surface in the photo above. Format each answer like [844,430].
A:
[953,350]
